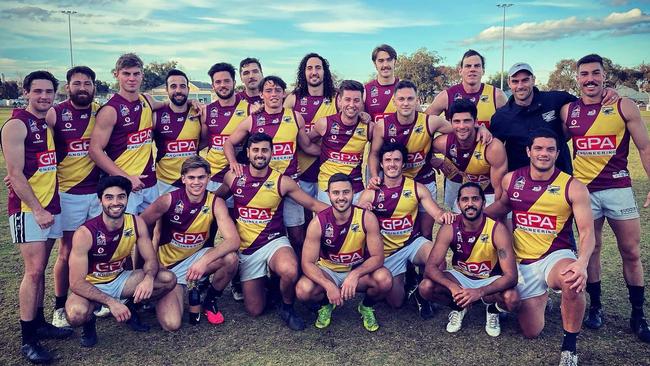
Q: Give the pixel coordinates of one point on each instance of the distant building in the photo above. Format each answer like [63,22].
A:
[199,90]
[641,98]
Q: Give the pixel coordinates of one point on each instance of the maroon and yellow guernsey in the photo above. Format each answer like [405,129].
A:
[417,138]
[474,253]
[467,165]
[186,229]
[258,209]
[110,249]
[342,247]
[131,144]
[177,138]
[542,217]
[40,165]
[312,109]
[283,129]
[600,145]
[76,172]
[484,99]
[397,211]
[379,99]
[222,122]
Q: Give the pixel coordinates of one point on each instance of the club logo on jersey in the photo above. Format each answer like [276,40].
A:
[458,96]
[354,228]
[128,233]
[620,174]
[551,189]
[475,269]
[575,113]
[520,183]
[32,125]
[348,259]
[205,210]
[179,207]
[344,158]
[374,92]
[165,118]
[548,116]
[334,130]
[138,138]
[484,238]
[484,98]
[100,238]
[596,145]
[415,159]
[188,240]
[254,215]
[381,197]
[535,223]
[392,130]
[261,121]
[329,230]
[269,185]
[407,193]
[239,112]
[182,147]
[418,129]
[78,148]
[359,131]
[283,150]
[214,112]
[287,119]
[327,101]
[124,110]
[607,110]
[303,101]
[66,115]
[108,269]
[396,225]
[46,161]
[478,155]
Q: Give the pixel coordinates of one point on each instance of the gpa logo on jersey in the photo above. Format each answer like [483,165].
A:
[107,269]
[484,98]
[397,225]
[479,269]
[181,146]
[139,137]
[124,110]
[347,158]
[595,145]
[188,240]
[128,233]
[254,213]
[415,159]
[347,259]
[283,149]
[78,146]
[219,140]
[536,223]
[46,159]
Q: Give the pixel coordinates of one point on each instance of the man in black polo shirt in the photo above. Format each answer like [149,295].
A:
[529,109]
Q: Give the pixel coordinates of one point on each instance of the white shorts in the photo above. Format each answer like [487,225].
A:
[293,213]
[325,198]
[433,189]
[451,196]
[396,262]
[467,282]
[140,200]
[311,188]
[614,203]
[180,269]
[77,209]
[115,287]
[165,187]
[24,228]
[533,277]
[256,265]
[336,277]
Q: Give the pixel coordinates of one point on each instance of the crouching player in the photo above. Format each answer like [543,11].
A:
[100,248]
[187,216]
[343,253]
[483,263]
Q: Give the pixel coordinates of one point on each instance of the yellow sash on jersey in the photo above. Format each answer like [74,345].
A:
[326,108]
[345,160]
[486,106]
[257,214]
[168,169]
[109,271]
[43,181]
[76,165]
[215,155]
[483,258]
[477,170]
[285,142]
[139,144]
[352,251]
[418,146]
[397,229]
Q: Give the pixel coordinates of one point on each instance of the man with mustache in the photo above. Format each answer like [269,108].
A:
[483,262]
[601,138]
[258,193]
[379,92]
[485,97]
[544,201]
[72,122]
[342,255]
[33,206]
[176,134]
[250,72]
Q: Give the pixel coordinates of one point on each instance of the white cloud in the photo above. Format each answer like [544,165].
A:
[228,21]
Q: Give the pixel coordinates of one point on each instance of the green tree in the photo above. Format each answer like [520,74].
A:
[101,87]
[495,80]
[446,76]
[564,77]
[154,73]
[9,90]
[420,68]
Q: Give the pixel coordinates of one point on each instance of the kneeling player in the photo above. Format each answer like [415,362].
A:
[342,254]
[100,247]
[483,263]
[187,215]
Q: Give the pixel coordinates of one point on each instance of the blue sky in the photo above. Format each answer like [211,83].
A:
[198,33]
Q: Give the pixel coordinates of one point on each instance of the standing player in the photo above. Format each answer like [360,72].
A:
[184,249]
[342,255]
[483,261]
[396,203]
[175,133]
[343,139]
[221,118]
[100,247]
[288,132]
[33,206]
[485,97]
[72,122]
[601,138]
[379,92]
[258,193]
[250,72]
[468,160]
[544,200]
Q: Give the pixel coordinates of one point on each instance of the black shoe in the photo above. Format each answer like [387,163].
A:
[88,334]
[640,328]
[136,325]
[35,353]
[594,318]
[293,320]
[424,306]
[49,331]
[194,318]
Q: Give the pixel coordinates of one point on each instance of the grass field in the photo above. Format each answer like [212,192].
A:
[404,339]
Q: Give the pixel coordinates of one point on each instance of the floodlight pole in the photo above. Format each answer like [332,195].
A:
[503,39]
[69,13]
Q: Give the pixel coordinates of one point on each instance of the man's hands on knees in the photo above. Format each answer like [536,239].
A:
[120,311]
[144,290]
[576,275]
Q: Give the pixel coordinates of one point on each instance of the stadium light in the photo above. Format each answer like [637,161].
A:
[503,38]
[69,13]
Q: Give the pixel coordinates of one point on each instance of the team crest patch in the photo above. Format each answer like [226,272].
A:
[329,231]
[241,181]
[553,189]
[484,98]
[214,112]
[458,96]
[261,121]
[165,118]
[575,113]
[128,233]
[374,92]
[269,185]
[381,197]
[359,131]
[418,129]
[478,155]
[519,183]
[354,228]
[66,115]
[548,116]
[407,193]
[303,101]
[33,126]
[205,209]
[100,238]
[392,130]
[286,119]
[334,130]
[124,110]
[179,207]
[327,101]
[239,112]
[607,110]
[483,238]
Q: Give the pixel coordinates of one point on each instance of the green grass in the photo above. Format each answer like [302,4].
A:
[403,338]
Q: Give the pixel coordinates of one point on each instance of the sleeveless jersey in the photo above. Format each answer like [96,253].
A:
[110,249]
[342,247]
[397,211]
[601,144]
[186,229]
[341,151]
[76,172]
[379,99]
[221,122]
[474,253]
[249,100]
[40,165]
[484,99]
[312,109]
[283,128]
[177,138]
[417,139]
[542,217]
[130,145]
[468,165]
[258,209]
